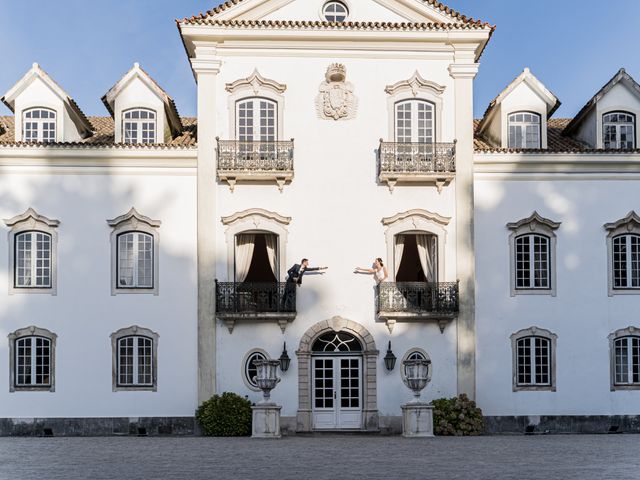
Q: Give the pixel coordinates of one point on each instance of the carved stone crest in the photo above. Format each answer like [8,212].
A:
[336,99]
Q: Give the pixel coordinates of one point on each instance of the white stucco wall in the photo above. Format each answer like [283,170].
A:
[582,314]
[84,313]
[336,208]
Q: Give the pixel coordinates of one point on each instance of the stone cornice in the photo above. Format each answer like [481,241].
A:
[133,216]
[256,82]
[256,212]
[31,214]
[416,212]
[532,220]
[631,220]
[415,84]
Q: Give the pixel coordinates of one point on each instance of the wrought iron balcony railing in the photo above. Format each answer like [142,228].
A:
[255,160]
[415,162]
[255,300]
[418,300]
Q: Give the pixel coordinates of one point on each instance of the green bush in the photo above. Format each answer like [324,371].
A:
[457,416]
[226,415]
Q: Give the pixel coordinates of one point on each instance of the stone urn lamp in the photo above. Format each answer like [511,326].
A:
[417,416]
[266,414]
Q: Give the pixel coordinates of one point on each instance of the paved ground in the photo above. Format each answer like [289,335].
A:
[586,457]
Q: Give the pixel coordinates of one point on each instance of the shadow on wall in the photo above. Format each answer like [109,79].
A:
[84,313]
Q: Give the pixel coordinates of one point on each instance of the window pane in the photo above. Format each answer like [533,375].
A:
[622,361]
[523,359]
[524,130]
[543,376]
[145,260]
[139,127]
[126,260]
[125,361]
[522,261]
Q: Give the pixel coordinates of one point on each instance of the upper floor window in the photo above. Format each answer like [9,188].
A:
[335,12]
[32,359]
[256,120]
[134,255]
[524,130]
[32,253]
[533,359]
[618,130]
[139,126]
[623,251]
[134,358]
[532,245]
[414,121]
[39,125]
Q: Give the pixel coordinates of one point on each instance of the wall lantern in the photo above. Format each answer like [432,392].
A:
[285,361]
[389,359]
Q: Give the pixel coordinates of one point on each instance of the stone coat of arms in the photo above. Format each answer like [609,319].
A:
[336,100]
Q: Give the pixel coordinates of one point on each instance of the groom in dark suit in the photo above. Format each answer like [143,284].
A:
[294,276]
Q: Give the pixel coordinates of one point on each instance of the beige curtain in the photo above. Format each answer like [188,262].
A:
[272,252]
[398,252]
[425,251]
[245,244]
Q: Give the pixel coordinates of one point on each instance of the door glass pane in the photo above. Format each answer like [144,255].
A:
[323,391]
[350,382]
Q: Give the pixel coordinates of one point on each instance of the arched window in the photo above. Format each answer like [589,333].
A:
[134,359]
[135,260]
[39,125]
[626,261]
[524,130]
[335,12]
[534,359]
[414,121]
[256,120]
[32,260]
[619,130]
[134,253]
[32,359]
[533,248]
[335,342]
[139,126]
[624,345]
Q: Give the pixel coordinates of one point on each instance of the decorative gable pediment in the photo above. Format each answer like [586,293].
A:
[256,216]
[133,218]
[414,11]
[415,84]
[630,222]
[533,222]
[256,83]
[31,218]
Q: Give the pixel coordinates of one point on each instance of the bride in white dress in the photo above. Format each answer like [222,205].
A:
[378,270]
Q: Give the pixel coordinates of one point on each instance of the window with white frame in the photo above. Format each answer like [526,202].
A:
[134,253]
[249,369]
[532,247]
[627,360]
[134,359]
[414,121]
[32,354]
[335,12]
[32,253]
[39,125]
[532,261]
[618,130]
[139,126]
[256,120]
[533,359]
[524,130]
[626,261]
[623,252]
[135,260]
[32,260]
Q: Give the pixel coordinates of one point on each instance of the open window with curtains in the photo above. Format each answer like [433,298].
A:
[256,257]
[416,257]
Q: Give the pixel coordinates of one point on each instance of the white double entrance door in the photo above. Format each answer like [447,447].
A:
[337,392]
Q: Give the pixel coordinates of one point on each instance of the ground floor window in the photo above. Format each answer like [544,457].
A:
[32,359]
[135,359]
[627,360]
[533,359]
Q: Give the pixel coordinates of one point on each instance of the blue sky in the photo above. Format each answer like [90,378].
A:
[572,46]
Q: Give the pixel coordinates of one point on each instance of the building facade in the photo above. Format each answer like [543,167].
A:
[146,254]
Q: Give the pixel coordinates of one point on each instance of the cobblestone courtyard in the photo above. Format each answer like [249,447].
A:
[583,457]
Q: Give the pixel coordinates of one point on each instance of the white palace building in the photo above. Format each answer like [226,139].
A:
[144,254]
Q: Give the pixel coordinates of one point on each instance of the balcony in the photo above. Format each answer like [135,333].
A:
[417,301]
[255,302]
[255,161]
[417,163]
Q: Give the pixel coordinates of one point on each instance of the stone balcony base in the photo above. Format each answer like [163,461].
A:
[442,319]
[282,318]
[440,180]
[279,177]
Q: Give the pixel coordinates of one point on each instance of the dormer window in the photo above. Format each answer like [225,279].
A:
[39,125]
[524,130]
[618,130]
[139,126]
[335,12]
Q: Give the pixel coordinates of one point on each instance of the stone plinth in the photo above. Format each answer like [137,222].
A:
[417,420]
[266,420]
